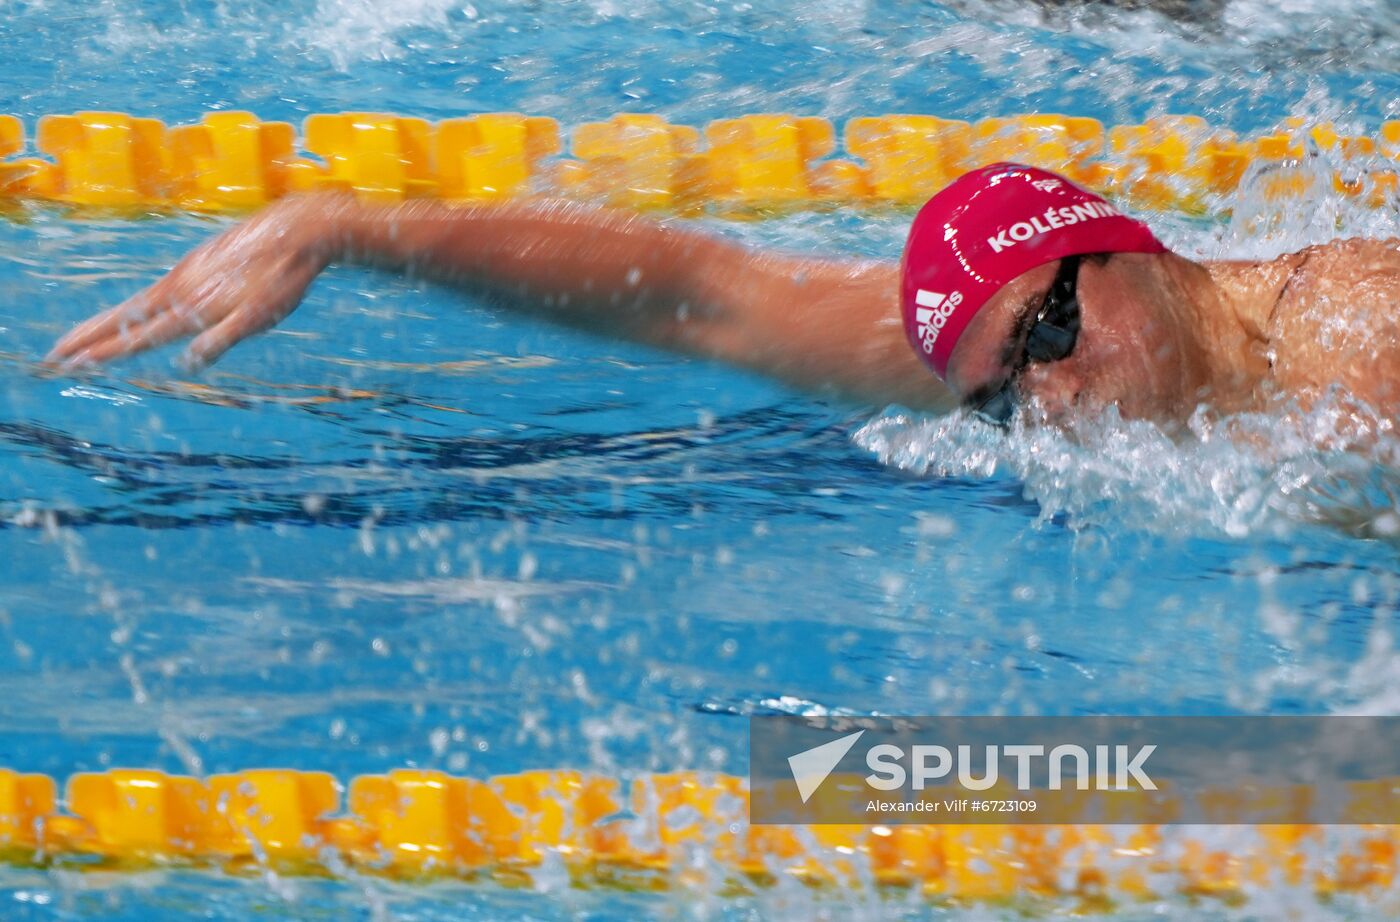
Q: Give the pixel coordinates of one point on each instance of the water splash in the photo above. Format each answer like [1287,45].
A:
[1262,224]
[353,30]
[1249,474]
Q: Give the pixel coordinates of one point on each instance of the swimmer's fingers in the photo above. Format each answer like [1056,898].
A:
[114,323]
[261,308]
[257,308]
[207,347]
[161,329]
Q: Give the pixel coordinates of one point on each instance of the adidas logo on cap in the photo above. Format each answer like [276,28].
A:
[931,311]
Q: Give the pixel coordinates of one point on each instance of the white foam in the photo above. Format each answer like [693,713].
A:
[1248,474]
[353,30]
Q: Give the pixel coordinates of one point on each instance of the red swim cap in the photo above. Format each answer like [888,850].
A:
[986,228]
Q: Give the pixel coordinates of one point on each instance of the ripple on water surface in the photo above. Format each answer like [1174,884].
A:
[412,529]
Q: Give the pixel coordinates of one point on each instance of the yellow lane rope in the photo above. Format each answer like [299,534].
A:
[415,824]
[742,166]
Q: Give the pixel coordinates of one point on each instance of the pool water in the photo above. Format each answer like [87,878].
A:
[410,529]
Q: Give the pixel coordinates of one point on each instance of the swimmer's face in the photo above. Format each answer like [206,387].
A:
[1134,347]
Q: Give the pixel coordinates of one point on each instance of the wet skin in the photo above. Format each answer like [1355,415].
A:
[1145,343]
[1160,334]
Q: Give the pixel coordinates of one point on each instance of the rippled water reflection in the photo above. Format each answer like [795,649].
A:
[410,529]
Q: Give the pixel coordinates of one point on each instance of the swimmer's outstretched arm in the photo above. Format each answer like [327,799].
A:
[820,324]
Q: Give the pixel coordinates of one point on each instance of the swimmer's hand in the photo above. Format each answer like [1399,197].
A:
[238,284]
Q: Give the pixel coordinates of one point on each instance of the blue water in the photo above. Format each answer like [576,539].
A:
[408,529]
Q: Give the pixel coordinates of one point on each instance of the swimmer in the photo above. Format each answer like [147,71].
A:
[1017,289]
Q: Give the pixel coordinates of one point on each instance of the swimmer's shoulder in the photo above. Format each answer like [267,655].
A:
[1345,253]
[1352,273]
[1253,288]
[1335,321]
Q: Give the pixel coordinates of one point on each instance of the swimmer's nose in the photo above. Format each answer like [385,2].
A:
[1054,385]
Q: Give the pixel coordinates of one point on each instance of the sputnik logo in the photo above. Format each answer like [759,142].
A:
[810,767]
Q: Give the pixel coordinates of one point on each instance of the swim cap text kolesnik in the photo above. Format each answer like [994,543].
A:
[986,228]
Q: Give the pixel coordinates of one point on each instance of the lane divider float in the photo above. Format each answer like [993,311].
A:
[740,167]
[418,825]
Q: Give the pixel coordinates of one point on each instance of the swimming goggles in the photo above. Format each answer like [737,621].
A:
[1051,338]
